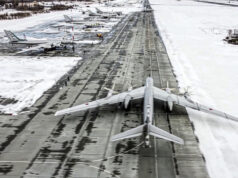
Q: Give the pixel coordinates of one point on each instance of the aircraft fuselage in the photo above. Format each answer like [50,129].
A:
[148,108]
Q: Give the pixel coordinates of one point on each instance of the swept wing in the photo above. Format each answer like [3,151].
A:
[134,94]
[182,101]
[36,48]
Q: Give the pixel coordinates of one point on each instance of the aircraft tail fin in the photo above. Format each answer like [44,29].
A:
[98,10]
[135,132]
[90,12]
[67,18]
[159,133]
[12,37]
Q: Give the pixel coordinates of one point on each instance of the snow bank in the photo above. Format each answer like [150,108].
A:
[193,34]
[26,78]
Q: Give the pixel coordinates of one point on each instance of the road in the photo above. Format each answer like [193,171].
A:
[38,144]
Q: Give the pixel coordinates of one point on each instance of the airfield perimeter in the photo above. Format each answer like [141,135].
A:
[38,144]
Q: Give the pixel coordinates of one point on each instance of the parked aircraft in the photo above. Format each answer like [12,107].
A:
[93,25]
[42,48]
[148,93]
[90,13]
[36,45]
[99,11]
[73,21]
[112,14]
[13,39]
[93,14]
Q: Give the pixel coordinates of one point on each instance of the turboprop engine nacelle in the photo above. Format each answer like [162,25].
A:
[109,94]
[127,101]
[168,90]
[170,103]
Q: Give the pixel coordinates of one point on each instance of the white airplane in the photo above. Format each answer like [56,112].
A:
[90,13]
[68,19]
[93,25]
[13,39]
[149,93]
[36,45]
[42,48]
[93,14]
[112,14]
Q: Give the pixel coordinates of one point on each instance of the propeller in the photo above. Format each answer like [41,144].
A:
[168,89]
[130,86]
[187,93]
[110,90]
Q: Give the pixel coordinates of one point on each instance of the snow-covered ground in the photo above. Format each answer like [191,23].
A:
[26,78]
[193,34]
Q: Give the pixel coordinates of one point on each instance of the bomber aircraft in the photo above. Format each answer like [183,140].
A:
[68,19]
[148,92]
[90,13]
[13,39]
[36,45]
[112,14]
[99,15]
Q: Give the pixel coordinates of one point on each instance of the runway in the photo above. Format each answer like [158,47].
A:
[38,144]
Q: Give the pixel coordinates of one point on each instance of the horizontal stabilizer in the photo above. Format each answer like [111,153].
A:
[99,11]
[159,133]
[135,132]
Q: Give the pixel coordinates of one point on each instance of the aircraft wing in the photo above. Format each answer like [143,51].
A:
[182,101]
[35,42]
[36,48]
[135,94]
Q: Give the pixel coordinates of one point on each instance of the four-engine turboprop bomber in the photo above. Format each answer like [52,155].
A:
[36,45]
[90,13]
[149,93]
[112,14]
[68,19]
[13,39]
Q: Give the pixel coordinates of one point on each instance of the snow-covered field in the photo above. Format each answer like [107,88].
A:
[26,78]
[193,33]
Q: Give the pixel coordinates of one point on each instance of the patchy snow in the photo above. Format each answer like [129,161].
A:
[26,78]
[193,34]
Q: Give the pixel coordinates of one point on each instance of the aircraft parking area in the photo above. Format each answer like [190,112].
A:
[61,32]
[38,144]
